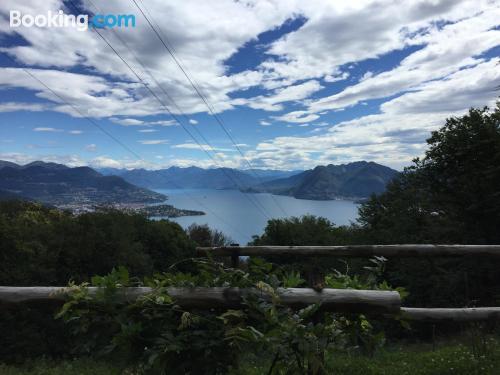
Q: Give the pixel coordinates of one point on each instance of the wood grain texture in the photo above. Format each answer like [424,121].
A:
[345,300]
[470,314]
[388,251]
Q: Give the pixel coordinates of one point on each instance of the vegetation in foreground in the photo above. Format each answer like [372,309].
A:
[447,358]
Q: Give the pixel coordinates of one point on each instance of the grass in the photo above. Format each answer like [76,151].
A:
[447,358]
[455,359]
[48,367]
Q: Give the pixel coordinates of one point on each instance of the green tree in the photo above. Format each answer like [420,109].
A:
[203,235]
[305,230]
[452,194]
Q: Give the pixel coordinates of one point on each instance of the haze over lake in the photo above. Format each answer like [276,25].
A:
[232,213]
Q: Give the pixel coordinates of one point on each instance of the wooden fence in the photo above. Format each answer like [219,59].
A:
[359,251]
[340,300]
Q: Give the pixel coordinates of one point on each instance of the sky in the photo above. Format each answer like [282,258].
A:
[293,83]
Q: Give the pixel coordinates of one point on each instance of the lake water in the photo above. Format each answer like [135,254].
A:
[231,211]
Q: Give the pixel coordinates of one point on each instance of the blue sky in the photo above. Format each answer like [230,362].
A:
[296,83]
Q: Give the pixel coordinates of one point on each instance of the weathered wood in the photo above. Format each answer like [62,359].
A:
[345,300]
[388,251]
[470,314]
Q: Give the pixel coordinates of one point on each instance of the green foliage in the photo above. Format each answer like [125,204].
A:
[157,335]
[305,230]
[451,195]
[203,235]
[44,246]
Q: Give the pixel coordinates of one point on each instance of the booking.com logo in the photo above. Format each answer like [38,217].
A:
[81,22]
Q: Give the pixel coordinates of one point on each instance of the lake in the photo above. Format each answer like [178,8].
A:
[231,211]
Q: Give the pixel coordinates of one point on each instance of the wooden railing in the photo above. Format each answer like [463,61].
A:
[339,300]
[360,251]
[345,300]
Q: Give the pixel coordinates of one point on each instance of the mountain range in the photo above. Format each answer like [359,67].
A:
[197,178]
[58,184]
[353,180]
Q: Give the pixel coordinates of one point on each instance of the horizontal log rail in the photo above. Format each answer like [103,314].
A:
[338,300]
[342,300]
[469,314]
[388,251]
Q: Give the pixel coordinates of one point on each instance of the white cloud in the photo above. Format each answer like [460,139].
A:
[154,142]
[297,117]
[163,123]
[21,158]
[330,78]
[14,107]
[148,131]
[75,132]
[127,121]
[264,123]
[273,102]
[91,147]
[105,162]
[446,50]
[193,121]
[137,122]
[195,146]
[333,34]
[200,37]
[47,129]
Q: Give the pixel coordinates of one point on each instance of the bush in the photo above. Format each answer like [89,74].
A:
[156,335]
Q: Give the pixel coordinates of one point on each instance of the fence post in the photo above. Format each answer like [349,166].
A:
[316,280]
[235,256]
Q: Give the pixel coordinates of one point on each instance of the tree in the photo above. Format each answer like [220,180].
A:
[205,236]
[305,230]
[452,194]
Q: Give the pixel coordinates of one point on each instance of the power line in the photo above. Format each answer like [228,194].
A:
[179,110]
[259,208]
[200,94]
[136,155]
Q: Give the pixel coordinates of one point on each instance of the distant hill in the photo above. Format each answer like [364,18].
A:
[7,196]
[353,180]
[58,184]
[198,178]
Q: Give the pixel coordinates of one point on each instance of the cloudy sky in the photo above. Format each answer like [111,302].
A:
[295,83]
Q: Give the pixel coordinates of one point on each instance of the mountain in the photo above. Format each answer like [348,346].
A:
[110,171]
[4,163]
[8,196]
[58,184]
[199,178]
[270,174]
[353,180]
[190,178]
